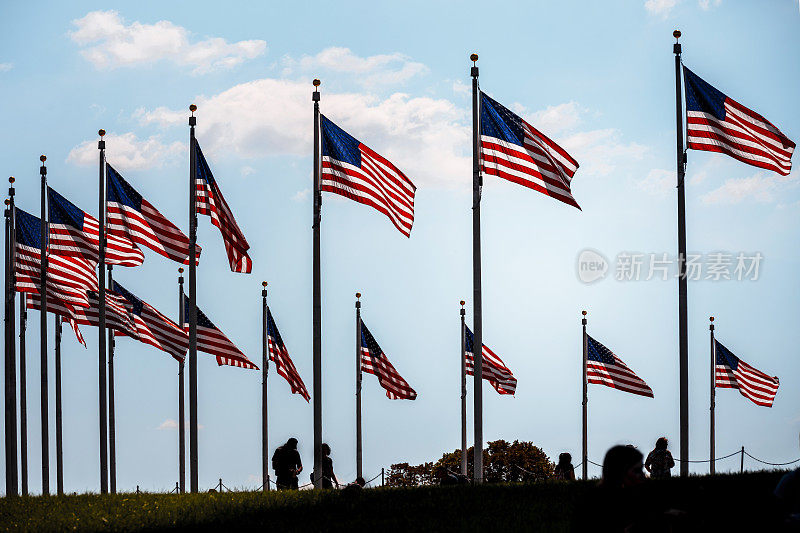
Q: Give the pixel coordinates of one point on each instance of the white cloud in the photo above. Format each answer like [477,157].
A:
[554,119]
[127,152]
[109,43]
[382,69]
[168,424]
[426,138]
[658,182]
[5,67]
[459,87]
[762,187]
[247,171]
[705,5]
[660,8]
[302,196]
[600,152]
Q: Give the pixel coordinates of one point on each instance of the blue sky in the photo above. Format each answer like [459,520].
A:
[597,77]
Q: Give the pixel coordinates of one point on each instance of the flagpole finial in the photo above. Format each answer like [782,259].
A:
[316,84]
[583,313]
[180,270]
[42,158]
[264,284]
[101,133]
[462,303]
[677,35]
[11,179]
[711,318]
[192,108]
[7,201]
[358,296]
[473,57]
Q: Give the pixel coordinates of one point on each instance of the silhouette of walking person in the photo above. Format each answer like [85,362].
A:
[660,461]
[287,465]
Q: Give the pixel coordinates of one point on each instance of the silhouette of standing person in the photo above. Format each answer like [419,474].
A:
[286,463]
[564,470]
[328,477]
[660,461]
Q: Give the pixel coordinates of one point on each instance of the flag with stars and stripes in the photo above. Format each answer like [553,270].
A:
[132,217]
[717,123]
[279,355]
[493,370]
[211,202]
[374,361]
[74,232]
[353,170]
[57,307]
[152,327]
[212,341]
[514,150]
[68,278]
[733,373]
[605,368]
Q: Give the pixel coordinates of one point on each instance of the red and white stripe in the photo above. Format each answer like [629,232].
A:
[494,371]
[154,328]
[68,278]
[753,384]
[57,307]
[744,135]
[377,183]
[378,365]
[279,355]
[68,241]
[213,204]
[617,376]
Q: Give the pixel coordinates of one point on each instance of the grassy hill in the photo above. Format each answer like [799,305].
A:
[705,504]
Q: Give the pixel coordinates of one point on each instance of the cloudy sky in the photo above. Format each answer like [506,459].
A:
[598,78]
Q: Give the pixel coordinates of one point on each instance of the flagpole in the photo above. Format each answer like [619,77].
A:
[683,324]
[43,389]
[11,356]
[584,433]
[112,419]
[317,303]
[181,411]
[59,425]
[477,348]
[264,409]
[23,394]
[359,448]
[463,361]
[192,303]
[101,329]
[712,427]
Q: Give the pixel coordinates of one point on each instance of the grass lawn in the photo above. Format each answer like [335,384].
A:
[709,504]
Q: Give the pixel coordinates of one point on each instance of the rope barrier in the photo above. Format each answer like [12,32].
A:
[768,463]
[737,452]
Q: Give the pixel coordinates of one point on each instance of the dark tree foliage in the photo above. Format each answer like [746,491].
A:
[502,461]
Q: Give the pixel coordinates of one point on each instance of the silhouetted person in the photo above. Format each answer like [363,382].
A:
[622,468]
[328,477]
[355,486]
[564,470]
[788,494]
[660,461]
[286,463]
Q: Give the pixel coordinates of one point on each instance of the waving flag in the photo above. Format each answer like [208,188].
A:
[605,368]
[212,341]
[57,307]
[74,232]
[514,150]
[353,170]
[211,202]
[374,361]
[493,370]
[133,218]
[733,373]
[717,123]
[152,327]
[280,356]
[68,278]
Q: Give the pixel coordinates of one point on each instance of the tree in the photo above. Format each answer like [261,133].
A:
[503,462]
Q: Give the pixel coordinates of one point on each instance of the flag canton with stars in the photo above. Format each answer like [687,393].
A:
[374,361]
[730,372]
[605,368]
[339,144]
[598,352]
[120,190]
[724,357]
[62,211]
[136,305]
[28,229]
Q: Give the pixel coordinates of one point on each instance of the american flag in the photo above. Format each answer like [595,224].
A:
[211,202]
[514,150]
[57,307]
[153,327]
[133,218]
[211,340]
[355,171]
[717,123]
[605,368]
[374,361]
[733,373]
[74,232]
[280,356]
[493,370]
[68,278]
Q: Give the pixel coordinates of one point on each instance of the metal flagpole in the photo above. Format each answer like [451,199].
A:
[359,448]
[112,420]
[101,330]
[683,325]
[11,357]
[585,454]
[59,425]
[181,411]
[712,428]
[463,361]
[192,303]
[44,401]
[265,371]
[477,347]
[23,395]
[317,304]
